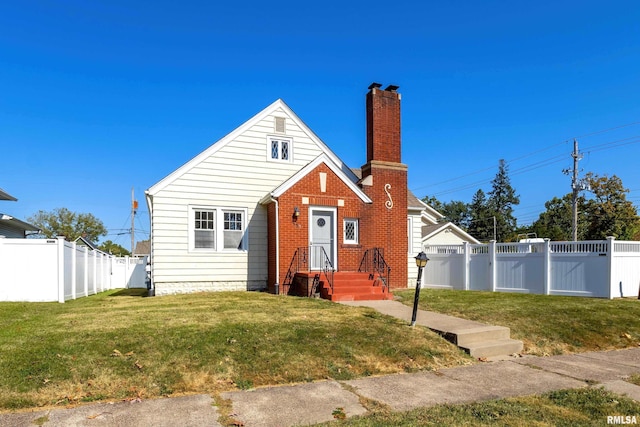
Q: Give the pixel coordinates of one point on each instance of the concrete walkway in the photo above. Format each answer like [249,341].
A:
[311,403]
[477,339]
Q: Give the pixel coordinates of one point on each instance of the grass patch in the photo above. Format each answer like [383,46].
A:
[546,324]
[118,345]
[581,407]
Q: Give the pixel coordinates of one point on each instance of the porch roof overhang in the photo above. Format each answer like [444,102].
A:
[6,196]
[18,224]
[322,158]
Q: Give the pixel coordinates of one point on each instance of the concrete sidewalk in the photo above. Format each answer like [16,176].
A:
[312,403]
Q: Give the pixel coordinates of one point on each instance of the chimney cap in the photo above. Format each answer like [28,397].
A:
[392,88]
[374,85]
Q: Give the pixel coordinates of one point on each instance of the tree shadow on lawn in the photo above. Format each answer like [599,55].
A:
[133,292]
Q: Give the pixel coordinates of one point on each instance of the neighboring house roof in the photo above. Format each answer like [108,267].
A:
[143,247]
[431,216]
[6,196]
[9,222]
[276,105]
[413,203]
[85,242]
[430,230]
[322,158]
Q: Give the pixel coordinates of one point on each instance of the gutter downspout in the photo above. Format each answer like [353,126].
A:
[277,246]
[152,288]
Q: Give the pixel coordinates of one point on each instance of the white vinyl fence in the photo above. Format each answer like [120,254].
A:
[42,270]
[605,269]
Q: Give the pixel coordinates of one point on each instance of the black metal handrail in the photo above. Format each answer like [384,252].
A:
[373,262]
[299,259]
[300,262]
[327,267]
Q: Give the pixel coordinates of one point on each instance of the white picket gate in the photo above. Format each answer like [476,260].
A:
[605,269]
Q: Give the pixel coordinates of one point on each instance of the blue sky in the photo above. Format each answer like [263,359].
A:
[98,97]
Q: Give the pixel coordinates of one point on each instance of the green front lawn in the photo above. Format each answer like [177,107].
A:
[119,345]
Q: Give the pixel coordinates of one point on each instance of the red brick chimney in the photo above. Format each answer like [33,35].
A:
[385,182]
[383,124]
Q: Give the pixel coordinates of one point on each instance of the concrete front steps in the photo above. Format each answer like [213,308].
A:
[354,286]
[484,341]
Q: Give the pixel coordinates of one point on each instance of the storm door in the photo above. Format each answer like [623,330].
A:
[322,235]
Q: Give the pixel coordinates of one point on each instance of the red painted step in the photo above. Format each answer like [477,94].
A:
[354,286]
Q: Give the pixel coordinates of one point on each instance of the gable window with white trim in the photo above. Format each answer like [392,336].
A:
[217,229]
[350,231]
[279,149]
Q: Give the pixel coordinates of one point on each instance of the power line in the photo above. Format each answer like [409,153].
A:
[536,165]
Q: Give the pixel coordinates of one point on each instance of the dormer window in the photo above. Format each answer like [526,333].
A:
[279,149]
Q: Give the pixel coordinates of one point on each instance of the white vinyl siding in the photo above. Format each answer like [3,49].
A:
[414,230]
[234,178]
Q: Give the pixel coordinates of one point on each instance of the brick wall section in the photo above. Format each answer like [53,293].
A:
[388,226]
[294,232]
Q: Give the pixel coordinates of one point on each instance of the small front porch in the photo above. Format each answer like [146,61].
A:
[370,281]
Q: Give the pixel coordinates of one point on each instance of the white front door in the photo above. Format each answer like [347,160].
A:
[322,235]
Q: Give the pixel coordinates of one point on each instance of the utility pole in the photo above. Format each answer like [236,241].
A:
[134,207]
[574,185]
[577,185]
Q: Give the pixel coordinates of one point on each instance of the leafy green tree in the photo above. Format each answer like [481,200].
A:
[609,212]
[113,248]
[480,217]
[606,213]
[556,223]
[63,222]
[502,198]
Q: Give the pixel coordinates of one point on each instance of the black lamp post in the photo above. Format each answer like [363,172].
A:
[421,262]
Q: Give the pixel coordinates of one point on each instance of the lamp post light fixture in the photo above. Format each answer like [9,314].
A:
[421,262]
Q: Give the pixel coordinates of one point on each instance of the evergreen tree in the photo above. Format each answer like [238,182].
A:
[502,198]
[480,218]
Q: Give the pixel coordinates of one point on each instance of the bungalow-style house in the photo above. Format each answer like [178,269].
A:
[436,232]
[271,207]
[13,227]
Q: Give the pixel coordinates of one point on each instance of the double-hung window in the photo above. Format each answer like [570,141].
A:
[350,231]
[218,229]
